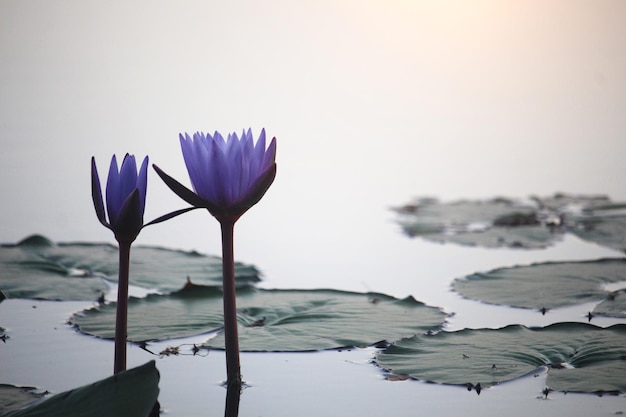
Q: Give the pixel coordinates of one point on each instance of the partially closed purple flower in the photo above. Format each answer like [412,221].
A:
[228,176]
[125,197]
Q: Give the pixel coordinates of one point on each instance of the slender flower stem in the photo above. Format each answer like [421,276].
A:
[233,397]
[121,320]
[233,373]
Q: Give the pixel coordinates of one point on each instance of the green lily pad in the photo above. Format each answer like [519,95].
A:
[602,224]
[545,285]
[13,398]
[492,223]
[158,317]
[38,268]
[132,393]
[581,357]
[270,320]
[613,306]
[502,222]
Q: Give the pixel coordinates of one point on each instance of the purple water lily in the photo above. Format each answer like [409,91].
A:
[125,197]
[228,176]
[125,205]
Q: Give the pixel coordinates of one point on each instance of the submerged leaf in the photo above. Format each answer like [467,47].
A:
[270,320]
[546,285]
[75,271]
[130,393]
[581,357]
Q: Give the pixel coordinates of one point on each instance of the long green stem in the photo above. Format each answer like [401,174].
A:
[121,318]
[233,372]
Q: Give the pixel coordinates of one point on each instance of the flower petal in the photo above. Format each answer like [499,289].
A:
[270,154]
[113,195]
[256,191]
[96,194]
[228,176]
[182,191]
[142,184]
[130,218]
[128,178]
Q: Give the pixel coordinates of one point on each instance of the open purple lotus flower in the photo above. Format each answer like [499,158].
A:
[228,176]
[125,197]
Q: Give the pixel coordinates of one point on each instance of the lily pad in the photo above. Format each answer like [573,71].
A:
[270,320]
[491,223]
[603,224]
[13,398]
[158,317]
[581,357]
[502,222]
[38,268]
[545,286]
[613,306]
[132,393]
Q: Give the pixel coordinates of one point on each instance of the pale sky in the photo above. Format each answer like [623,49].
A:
[372,103]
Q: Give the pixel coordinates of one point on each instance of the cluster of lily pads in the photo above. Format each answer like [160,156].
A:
[536,222]
[183,297]
[581,357]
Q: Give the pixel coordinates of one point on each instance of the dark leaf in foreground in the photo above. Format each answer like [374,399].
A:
[131,393]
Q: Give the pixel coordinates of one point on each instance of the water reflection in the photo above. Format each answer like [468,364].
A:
[233,395]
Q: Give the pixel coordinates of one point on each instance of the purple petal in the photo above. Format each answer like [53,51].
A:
[270,155]
[182,191]
[142,184]
[130,218]
[256,160]
[257,190]
[113,195]
[128,177]
[96,194]
[218,175]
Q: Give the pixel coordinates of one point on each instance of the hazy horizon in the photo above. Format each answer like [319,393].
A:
[372,103]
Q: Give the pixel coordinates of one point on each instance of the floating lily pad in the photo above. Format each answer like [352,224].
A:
[581,357]
[158,317]
[605,225]
[502,222]
[614,305]
[545,285]
[38,268]
[13,398]
[270,320]
[130,393]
